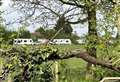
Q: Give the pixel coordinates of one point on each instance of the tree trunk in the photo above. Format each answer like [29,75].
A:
[92,32]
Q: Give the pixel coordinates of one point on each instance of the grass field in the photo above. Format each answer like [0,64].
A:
[65,48]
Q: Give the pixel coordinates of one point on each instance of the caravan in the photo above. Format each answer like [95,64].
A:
[23,41]
[61,41]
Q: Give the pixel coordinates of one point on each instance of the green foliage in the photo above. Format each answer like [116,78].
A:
[45,33]
[2,33]
[29,64]
[7,36]
[62,23]
[100,73]
[23,33]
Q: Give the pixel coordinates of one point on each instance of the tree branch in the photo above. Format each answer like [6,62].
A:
[73,4]
[69,10]
[79,21]
[86,57]
[38,3]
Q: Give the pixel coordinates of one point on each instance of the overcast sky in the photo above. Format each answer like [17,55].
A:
[79,29]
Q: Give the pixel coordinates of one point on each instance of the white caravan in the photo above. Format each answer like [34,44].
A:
[61,41]
[23,41]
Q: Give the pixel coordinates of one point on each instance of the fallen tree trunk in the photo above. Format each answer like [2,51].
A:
[90,59]
[83,55]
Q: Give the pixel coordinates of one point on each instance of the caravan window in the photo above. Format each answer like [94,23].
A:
[55,40]
[67,41]
[30,40]
[25,40]
[19,41]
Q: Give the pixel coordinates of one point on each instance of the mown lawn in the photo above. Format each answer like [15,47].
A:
[64,48]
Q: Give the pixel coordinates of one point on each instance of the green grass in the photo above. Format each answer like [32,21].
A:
[65,48]
[73,70]
[74,63]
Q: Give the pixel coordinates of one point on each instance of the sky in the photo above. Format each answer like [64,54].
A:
[78,29]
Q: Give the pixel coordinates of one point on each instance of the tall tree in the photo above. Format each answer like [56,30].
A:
[91,7]
[23,33]
[62,23]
